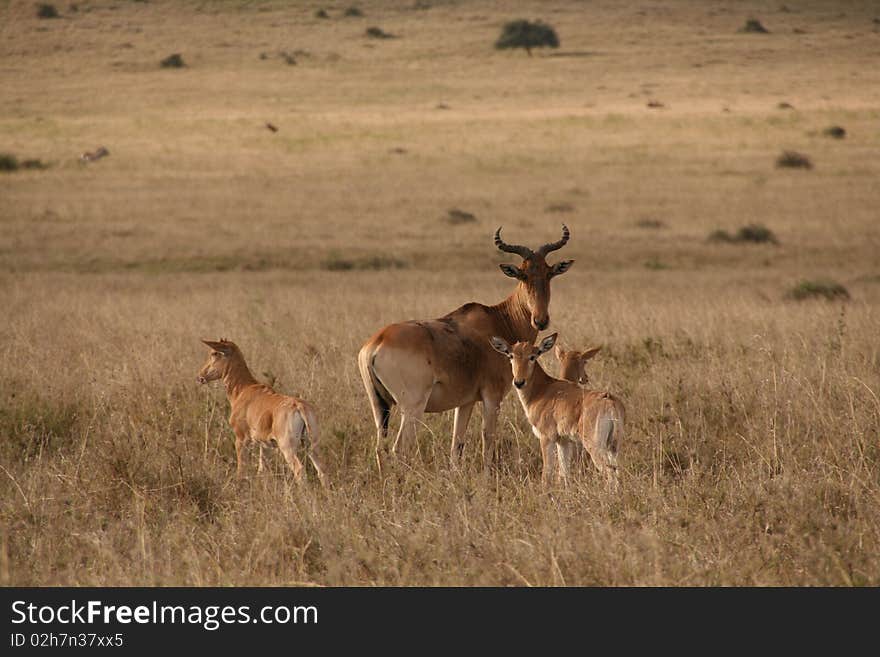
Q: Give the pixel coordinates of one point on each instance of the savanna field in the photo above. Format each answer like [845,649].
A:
[748,361]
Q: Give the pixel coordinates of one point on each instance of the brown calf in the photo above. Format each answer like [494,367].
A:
[573,364]
[259,413]
[561,412]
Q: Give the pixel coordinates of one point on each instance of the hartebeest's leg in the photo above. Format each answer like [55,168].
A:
[548,453]
[288,446]
[241,439]
[410,417]
[490,418]
[459,429]
[260,466]
[565,451]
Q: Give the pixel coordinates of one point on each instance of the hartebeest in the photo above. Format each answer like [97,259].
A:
[561,412]
[573,364]
[259,413]
[447,363]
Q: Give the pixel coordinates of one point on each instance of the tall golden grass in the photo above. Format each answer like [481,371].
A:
[752,453]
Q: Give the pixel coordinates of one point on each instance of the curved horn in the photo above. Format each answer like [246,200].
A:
[552,246]
[522,251]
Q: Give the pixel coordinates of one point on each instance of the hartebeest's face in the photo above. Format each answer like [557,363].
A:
[523,356]
[218,361]
[573,364]
[535,274]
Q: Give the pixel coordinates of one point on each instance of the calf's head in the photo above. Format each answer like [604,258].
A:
[523,356]
[573,364]
[223,353]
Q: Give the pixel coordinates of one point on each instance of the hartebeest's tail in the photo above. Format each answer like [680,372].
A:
[381,400]
[609,433]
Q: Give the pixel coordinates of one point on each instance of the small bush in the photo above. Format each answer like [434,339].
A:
[378,33]
[527,35]
[34,164]
[784,106]
[650,223]
[321,14]
[8,162]
[835,131]
[353,12]
[559,207]
[373,263]
[818,289]
[793,160]
[456,216]
[754,233]
[655,264]
[45,10]
[173,61]
[753,26]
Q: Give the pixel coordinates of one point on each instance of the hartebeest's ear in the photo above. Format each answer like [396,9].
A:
[222,347]
[589,353]
[547,343]
[561,267]
[512,271]
[500,345]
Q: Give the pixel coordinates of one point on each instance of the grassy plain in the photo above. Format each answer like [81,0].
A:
[753,450]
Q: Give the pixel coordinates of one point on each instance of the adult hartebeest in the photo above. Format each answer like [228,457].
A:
[447,363]
[573,364]
[561,412]
[259,413]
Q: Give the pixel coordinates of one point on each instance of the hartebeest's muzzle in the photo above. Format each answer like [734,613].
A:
[542,323]
[519,384]
[201,379]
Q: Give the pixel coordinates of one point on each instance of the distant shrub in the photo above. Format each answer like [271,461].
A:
[8,162]
[45,10]
[650,223]
[823,289]
[793,160]
[173,61]
[753,26]
[559,207]
[526,34]
[378,33]
[354,12]
[321,14]
[456,216]
[374,263]
[835,131]
[754,233]
[784,105]
[655,264]
[34,164]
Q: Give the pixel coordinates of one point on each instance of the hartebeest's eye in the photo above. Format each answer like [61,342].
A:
[531,359]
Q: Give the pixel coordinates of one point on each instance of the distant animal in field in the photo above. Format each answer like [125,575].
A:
[562,412]
[271,127]
[436,365]
[97,154]
[260,414]
[573,364]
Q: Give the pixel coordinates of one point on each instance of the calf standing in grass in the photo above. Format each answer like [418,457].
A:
[573,364]
[561,412]
[259,413]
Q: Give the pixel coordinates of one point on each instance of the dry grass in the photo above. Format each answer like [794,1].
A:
[753,454]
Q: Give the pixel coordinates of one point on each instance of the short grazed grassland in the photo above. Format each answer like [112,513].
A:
[752,454]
